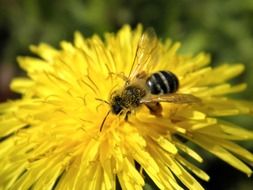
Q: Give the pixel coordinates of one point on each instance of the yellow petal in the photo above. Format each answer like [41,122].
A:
[200,173]
[216,149]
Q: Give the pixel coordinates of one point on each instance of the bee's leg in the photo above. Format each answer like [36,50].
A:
[155,108]
[127,113]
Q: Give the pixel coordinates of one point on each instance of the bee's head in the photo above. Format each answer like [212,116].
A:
[116,104]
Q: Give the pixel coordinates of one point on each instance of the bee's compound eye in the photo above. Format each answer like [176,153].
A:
[116,108]
[116,104]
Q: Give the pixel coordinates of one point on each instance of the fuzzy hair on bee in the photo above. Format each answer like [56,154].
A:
[142,88]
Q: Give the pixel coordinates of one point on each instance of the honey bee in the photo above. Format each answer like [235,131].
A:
[144,88]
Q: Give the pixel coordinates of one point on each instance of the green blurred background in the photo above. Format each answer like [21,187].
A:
[222,28]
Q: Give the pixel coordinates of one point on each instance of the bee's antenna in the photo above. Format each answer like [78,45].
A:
[103,122]
[101,100]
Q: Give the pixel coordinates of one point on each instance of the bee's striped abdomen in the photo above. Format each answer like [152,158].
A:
[162,82]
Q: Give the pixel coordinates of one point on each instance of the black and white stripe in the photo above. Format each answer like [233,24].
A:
[162,82]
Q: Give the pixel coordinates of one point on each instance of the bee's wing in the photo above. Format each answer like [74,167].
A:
[172,98]
[146,53]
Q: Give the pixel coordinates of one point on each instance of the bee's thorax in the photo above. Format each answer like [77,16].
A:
[129,98]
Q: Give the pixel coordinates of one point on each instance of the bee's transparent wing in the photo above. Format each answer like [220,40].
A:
[172,98]
[146,53]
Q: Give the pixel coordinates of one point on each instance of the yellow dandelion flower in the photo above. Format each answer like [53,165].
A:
[73,129]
